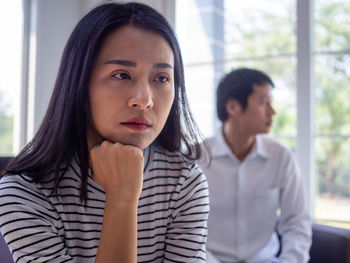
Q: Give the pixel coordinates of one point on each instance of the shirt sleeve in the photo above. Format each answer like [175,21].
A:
[187,231]
[27,223]
[295,221]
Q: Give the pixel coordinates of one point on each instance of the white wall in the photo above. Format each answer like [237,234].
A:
[51,23]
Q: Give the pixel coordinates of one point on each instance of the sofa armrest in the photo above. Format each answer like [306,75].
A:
[5,255]
[3,161]
[330,244]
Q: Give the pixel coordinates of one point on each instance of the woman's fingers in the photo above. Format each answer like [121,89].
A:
[118,169]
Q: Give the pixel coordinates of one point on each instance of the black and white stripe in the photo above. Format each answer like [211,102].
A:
[172,214]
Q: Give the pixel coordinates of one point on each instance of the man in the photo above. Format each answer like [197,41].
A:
[255,188]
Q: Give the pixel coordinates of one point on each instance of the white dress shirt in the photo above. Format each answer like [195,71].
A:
[246,198]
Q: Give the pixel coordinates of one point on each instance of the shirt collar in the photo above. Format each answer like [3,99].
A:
[261,147]
[219,146]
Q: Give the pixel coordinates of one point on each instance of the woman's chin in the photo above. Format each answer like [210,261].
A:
[135,140]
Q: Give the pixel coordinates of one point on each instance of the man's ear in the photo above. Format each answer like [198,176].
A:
[233,107]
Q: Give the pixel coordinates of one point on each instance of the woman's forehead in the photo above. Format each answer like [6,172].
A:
[131,41]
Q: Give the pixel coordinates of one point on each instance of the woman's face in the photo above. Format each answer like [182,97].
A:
[131,88]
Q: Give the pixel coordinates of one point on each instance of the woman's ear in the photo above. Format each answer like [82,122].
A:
[233,107]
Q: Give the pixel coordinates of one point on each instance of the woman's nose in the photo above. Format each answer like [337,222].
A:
[141,97]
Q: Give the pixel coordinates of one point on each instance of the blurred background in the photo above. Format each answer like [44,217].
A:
[304,45]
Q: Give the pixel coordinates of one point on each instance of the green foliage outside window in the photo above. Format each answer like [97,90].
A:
[270,45]
[6,131]
[332,68]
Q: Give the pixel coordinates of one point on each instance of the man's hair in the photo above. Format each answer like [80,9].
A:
[62,133]
[238,85]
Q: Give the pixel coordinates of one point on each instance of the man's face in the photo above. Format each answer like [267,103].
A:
[257,117]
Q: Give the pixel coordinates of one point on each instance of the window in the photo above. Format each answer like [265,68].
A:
[219,36]
[11,27]
[264,38]
[332,142]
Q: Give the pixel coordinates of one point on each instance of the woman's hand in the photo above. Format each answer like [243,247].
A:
[118,169]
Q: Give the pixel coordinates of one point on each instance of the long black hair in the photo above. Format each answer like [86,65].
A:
[62,133]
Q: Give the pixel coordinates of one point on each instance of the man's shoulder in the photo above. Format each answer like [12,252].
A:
[273,146]
[211,141]
[217,144]
[212,147]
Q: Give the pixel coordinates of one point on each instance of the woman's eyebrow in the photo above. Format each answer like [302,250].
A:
[162,65]
[129,63]
[121,62]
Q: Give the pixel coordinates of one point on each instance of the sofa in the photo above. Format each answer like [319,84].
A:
[329,244]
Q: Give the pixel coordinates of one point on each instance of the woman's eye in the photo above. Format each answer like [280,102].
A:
[121,76]
[162,79]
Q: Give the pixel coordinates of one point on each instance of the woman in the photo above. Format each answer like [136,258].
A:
[104,179]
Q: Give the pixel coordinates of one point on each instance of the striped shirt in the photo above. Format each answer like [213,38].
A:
[173,209]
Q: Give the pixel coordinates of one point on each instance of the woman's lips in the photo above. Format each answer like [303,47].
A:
[137,124]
